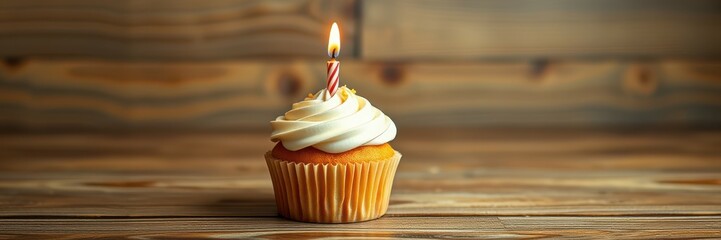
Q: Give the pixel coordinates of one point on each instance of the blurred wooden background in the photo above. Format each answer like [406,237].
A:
[220,64]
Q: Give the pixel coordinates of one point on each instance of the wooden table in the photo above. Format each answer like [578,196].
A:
[452,183]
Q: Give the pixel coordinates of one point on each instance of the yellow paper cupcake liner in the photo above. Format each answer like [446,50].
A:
[332,193]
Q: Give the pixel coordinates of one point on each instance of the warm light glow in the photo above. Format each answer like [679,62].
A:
[334,41]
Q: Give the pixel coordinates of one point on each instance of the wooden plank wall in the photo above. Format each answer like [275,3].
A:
[171,29]
[219,64]
[498,29]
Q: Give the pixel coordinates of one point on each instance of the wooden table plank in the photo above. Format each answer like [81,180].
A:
[443,173]
[386,227]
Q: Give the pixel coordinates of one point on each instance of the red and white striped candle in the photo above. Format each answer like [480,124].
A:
[333,73]
[333,65]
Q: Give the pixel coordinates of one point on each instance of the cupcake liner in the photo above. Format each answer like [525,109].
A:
[332,193]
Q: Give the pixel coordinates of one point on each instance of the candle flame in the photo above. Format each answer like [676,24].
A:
[334,41]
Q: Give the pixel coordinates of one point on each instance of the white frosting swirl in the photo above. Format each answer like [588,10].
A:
[338,124]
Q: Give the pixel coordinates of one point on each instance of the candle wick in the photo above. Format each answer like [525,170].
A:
[333,55]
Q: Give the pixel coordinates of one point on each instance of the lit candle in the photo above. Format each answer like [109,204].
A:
[333,65]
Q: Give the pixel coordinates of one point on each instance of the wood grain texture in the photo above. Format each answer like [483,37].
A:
[384,228]
[449,173]
[500,29]
[452,183]
[173,30]
[247,94]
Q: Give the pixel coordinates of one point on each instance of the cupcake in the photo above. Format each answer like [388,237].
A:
[332,162]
